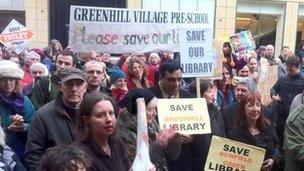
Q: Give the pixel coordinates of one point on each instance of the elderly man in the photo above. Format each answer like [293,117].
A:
[46,88]
[54,122]
[37,70]
[270,55]
[96,77]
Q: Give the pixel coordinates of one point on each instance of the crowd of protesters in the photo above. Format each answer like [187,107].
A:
[64,111]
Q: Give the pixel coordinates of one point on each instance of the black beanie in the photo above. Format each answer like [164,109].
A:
[129,101]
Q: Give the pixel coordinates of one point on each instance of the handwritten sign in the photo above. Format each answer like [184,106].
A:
[115,30]
[226,154]
[242,43]
[187,116]
[16,35]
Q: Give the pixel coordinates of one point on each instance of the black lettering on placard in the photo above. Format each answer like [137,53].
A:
[181,107]
[237,150]
[220,167]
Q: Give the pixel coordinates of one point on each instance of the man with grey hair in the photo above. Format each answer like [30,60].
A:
[54,122]
[244,87]
[270,55]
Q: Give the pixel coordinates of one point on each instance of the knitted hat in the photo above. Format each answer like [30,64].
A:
[129,101]
[10,69]
[115,73]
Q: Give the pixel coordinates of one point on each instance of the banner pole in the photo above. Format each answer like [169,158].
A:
[198,90]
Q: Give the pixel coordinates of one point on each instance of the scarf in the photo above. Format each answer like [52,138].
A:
[16,103]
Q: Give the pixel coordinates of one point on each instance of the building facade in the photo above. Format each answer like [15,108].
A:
[277,22]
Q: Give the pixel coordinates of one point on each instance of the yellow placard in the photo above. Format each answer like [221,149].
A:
[226,154]
[187,116]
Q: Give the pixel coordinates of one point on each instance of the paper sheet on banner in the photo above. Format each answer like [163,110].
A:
[233,155]
[16,35]
[188,116]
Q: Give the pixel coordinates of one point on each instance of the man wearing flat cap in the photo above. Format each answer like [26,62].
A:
[54,122]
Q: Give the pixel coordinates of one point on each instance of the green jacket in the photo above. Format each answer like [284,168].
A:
[294,140]
[44,92]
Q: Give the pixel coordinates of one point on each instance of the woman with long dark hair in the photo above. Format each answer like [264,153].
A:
[251,127]
[96,127]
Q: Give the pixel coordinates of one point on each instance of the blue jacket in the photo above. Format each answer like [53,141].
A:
[17,140]
[220,98]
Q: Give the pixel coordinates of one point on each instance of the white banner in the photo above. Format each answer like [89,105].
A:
[116,30]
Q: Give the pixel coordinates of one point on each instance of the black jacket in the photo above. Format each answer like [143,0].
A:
[118,160]
[203,141]
[266,139]
[229,113]
[287,87]
[51,126]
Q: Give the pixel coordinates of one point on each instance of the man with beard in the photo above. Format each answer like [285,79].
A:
[54,123]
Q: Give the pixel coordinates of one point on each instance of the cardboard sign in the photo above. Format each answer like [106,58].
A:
[226,154]
[117,30]
[266,82]
[187,116]
[16,35]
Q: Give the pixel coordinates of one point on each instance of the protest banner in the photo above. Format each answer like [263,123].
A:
[242,43]
[226,154]
[266,82]
[116,30]
[15,35]
[142,159]
[187,116]
[196,51]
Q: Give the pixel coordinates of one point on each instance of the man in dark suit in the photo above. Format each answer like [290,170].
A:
[169,86]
